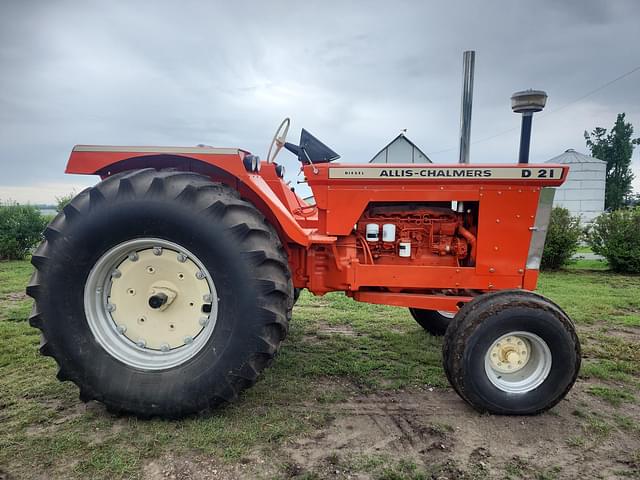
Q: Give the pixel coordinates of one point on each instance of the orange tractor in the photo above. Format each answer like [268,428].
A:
[168,287]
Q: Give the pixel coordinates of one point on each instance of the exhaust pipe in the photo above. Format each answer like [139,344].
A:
[468,65]
[527,103]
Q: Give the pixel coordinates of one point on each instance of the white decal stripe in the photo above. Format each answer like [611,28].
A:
[110,148]
[441,173]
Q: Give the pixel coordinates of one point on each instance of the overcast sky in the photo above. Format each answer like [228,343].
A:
[353,73]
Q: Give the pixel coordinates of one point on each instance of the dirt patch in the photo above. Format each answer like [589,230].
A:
[15,296]
[323,330]
[4,475]
[66,413]
[436,432]
[201,467]
[628,333]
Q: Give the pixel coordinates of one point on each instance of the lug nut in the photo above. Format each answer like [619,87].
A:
[111,307]
[200,275]
[122,329]
[182,257]
[116,274]
[157,250]
[133,257]
[141,343]
[188,340]
[165,347]
[203,321]
[207,298]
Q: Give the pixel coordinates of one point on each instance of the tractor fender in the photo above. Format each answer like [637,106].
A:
[220,164]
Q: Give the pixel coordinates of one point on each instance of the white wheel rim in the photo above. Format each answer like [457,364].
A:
[518,362]
[117,303]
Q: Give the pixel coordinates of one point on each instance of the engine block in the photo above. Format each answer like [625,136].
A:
[413,234]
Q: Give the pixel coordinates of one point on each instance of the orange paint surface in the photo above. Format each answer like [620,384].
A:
[454,256]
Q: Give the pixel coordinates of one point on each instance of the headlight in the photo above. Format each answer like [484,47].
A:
[251,163]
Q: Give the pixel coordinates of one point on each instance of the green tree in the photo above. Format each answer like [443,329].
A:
[615,148]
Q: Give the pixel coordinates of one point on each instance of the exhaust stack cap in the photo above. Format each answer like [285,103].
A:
[528,101]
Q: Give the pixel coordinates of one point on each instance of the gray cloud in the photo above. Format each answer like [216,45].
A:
[354,73]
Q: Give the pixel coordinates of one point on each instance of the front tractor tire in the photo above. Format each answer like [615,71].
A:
[511,353]
[160,293]
[433,321]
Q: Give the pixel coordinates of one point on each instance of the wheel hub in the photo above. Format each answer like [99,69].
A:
[150,303]
[156,299]
[509,354]
[518,362]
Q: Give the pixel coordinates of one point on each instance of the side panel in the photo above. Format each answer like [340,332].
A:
[505,220]
[507,201]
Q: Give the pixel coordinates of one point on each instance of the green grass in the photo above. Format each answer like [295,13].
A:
[335,347]
[626,423]
[591,296]
[576,441]
[519,468]
[14,275]
[615,396]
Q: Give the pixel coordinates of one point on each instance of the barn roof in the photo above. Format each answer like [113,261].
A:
[400,138]
[571,156]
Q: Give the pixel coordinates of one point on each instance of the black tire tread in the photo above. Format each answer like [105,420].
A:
[472,306]
[252,231]
[461,329]
[431,320]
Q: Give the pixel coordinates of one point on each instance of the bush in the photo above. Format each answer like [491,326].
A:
[20,229]
[616,236]
[562,239]
[64,200]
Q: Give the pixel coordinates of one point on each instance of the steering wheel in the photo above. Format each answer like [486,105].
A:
[278,140]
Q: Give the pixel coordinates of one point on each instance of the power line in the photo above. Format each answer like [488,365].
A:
[588,94]
[551,112]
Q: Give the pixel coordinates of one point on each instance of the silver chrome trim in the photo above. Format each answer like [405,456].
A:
[468,65]
[539,229]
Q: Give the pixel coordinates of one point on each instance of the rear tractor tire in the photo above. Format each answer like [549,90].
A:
[160,293]
[433,321]
[511,353]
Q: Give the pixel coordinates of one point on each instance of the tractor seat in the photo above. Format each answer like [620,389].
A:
[311,150]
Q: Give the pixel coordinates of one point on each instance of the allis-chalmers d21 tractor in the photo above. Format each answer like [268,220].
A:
[168,287]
